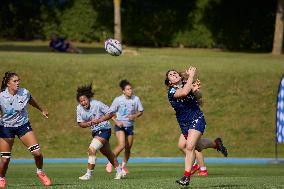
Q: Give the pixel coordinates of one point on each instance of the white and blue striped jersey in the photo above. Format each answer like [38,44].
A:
[14,108]
[97,110]
[123,107]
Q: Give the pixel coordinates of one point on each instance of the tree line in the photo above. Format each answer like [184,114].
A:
[233,25]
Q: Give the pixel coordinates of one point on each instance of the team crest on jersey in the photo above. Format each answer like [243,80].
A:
[173,90]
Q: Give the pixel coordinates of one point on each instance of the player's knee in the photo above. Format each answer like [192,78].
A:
[37,154]
[95,145]
[5,157]
[121,145]
[190,147]
[35,150]
[92,151]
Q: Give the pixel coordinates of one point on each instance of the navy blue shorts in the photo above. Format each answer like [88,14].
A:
[198,124]
[11,132]
[104,133]
[126,130]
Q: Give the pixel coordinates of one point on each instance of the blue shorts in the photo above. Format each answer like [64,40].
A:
[198,124]
[126,130]
[11,132]
[104,133]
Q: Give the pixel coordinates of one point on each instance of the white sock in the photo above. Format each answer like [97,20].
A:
[90,172]
[123,164]
[2,178]
[118,169]
[39,171]
[203,169]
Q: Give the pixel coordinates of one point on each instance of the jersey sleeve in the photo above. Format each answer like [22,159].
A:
[114,107]
[29,95]
[79,117]
[139,105]
[171,93]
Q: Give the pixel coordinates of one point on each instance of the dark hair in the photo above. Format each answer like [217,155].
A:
[6,79]
[85,90]
[123,84]
[167,81]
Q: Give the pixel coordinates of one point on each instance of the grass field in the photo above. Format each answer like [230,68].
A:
[158,176]
[239,92]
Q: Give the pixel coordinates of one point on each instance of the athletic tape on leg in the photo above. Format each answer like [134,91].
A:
[96,144]
[92,160]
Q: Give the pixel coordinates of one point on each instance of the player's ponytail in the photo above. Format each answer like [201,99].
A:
[6,79]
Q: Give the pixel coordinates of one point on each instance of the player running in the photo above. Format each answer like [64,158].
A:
[127,108]
[89,114]
[182,97]
[14,121]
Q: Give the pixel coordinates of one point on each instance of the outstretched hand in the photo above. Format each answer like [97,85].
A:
[45,113]
[196,85]
[191,71]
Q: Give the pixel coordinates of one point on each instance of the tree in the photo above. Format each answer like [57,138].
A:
[279,27]
[117,19]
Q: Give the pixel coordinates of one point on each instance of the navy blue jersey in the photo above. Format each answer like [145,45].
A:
[187,108]
[59,44]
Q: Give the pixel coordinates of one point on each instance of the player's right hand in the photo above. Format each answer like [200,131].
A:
[191,71]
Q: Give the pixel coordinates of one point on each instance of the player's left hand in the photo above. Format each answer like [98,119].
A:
[196,85]
[45,113]
[131,117]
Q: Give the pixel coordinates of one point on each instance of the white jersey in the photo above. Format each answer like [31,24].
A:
[123,107]
[97,110]
[13,108]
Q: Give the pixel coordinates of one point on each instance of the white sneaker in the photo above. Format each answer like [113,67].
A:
[120,174]
[85,177]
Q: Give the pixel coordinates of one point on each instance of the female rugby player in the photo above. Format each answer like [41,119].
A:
[89,113]
[190,118]
[14,121]
[127,108]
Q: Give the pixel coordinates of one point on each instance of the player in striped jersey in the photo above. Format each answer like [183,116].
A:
[14,121]
[127,108]
[89,115]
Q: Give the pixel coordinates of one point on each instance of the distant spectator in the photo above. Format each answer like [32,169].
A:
[59,44]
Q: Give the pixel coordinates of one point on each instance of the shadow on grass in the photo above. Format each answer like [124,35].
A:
[40,185]
[43,49]
[225,186]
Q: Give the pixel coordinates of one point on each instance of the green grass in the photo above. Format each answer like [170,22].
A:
[156,176]
[239,93]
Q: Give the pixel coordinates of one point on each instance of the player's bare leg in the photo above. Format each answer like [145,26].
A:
[128,145]
[120,173]
[5,149]
[120,135]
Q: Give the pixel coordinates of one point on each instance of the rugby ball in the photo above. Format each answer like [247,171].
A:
[113,47]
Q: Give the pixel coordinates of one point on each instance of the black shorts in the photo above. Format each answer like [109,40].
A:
[198,124]
[104,133]
[126,130]
[11,132]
